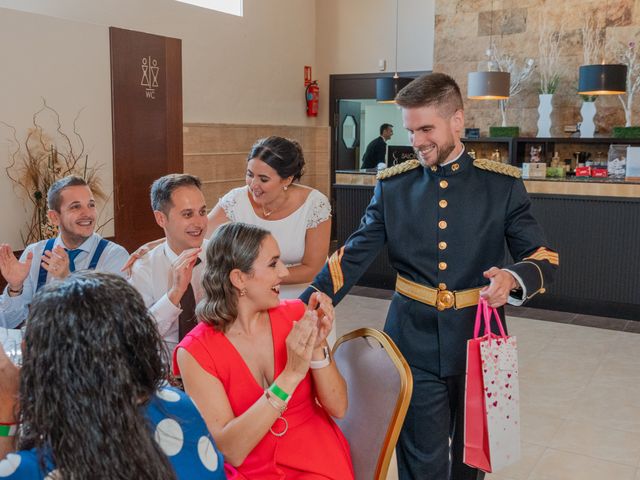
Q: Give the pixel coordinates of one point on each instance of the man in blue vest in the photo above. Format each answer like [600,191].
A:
[72,209]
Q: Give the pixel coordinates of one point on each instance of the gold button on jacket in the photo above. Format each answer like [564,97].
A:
[442,224]
[442,245]
[442,266]
[443,203]
[444,184]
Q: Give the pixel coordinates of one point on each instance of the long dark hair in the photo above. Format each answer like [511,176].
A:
[92,358]
[233,245]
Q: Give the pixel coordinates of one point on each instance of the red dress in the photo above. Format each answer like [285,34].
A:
[313,446]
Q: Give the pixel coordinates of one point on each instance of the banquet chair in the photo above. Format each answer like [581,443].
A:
[379,385]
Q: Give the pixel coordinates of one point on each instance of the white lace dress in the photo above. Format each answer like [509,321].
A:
[289,232]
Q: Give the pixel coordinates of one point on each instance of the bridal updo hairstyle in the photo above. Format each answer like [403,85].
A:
[282,154]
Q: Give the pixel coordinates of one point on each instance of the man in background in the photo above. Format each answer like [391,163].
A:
[377,149]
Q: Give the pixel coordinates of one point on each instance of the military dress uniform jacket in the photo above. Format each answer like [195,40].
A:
[443,226]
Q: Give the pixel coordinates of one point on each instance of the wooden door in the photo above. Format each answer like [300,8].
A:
[146,102]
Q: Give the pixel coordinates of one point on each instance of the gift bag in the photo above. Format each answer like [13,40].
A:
[492,400]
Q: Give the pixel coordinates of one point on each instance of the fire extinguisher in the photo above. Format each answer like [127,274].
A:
[311,93]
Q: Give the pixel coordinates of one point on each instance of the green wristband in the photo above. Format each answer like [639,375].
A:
[278,392]
[8,430]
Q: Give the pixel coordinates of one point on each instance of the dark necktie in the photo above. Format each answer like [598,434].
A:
[72,257]
[187,319]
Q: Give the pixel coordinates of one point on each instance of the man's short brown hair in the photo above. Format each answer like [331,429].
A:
[433,89]
[163,187]
[54,194]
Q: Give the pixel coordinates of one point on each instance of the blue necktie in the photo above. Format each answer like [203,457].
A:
[72,256]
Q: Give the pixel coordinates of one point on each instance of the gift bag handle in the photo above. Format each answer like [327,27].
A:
[484,312]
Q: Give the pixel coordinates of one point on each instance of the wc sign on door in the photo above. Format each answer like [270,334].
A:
[150,70]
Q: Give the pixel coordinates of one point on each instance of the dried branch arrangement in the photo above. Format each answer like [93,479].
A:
[629,55]
[40,160]
[549,48]
[519,75]
[592,39]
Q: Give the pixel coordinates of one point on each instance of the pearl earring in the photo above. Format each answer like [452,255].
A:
[243,292]
[285,187]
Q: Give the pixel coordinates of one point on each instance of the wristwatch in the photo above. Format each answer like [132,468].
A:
[315,364]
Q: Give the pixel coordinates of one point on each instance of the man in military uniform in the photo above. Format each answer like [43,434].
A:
[445,219]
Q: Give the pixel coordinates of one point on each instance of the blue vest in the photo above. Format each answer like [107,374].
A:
[42,274]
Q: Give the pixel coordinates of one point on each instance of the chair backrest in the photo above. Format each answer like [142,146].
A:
[379,385]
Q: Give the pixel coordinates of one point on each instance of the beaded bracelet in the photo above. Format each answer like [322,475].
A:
[271,399]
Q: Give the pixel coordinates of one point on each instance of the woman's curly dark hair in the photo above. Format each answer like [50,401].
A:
[92,359]
[233,245]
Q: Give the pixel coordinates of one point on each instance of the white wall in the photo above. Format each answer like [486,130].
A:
[67,63]
[353,35]
[235,69]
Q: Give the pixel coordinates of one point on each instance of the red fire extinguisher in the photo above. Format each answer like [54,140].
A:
[311,93]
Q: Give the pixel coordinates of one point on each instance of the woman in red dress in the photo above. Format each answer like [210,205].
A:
[259,370]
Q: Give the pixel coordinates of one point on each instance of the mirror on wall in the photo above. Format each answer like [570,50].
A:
[359,124]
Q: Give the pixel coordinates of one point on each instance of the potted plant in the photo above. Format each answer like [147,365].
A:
[592,47]
[549,48]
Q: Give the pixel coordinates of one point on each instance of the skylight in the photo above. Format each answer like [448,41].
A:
[232,7]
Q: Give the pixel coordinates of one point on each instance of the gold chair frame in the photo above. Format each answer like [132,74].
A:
[404,395]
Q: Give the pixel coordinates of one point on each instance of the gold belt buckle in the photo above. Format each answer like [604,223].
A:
[445,299]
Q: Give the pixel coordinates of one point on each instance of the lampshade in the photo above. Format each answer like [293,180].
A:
[602,79]
[488,85]
[387,88]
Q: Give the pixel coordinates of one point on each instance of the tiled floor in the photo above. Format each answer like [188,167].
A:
[579,386]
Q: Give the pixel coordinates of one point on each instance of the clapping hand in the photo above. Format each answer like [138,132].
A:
[181,271]
[56,262]
[14,271]
[300,344]
[323,306]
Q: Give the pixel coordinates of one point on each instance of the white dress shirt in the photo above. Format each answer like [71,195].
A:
[151,276]
[16,308]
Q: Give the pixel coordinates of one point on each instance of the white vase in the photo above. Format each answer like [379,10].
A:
[588,112]
[544,115]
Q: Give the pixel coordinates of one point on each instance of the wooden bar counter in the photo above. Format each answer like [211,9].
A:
[594,224]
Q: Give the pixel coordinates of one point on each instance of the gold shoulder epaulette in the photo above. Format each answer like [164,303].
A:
[497,167]
[397,169]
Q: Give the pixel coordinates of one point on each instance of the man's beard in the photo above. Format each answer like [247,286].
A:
[443,154]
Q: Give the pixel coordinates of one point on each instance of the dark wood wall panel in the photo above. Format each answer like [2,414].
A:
[146,96]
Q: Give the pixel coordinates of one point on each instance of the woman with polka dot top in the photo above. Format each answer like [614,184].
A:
[92,403]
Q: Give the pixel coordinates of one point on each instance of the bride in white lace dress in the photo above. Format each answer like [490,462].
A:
[299,217]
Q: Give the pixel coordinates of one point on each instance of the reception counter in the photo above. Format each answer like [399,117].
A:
[594,224]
